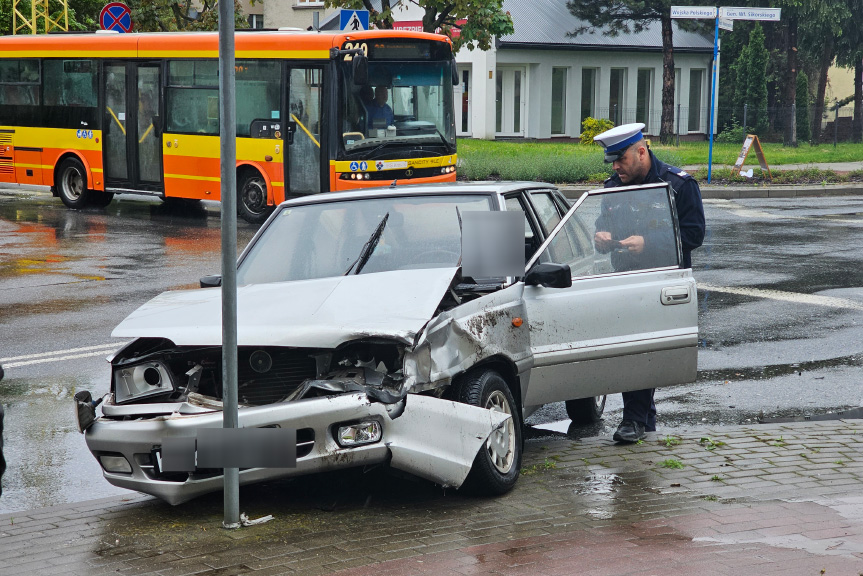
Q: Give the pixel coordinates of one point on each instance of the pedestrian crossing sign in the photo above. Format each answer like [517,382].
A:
[354,20]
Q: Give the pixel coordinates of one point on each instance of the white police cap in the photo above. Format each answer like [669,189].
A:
[618,139]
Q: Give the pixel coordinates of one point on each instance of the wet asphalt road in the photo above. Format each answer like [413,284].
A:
[780,300]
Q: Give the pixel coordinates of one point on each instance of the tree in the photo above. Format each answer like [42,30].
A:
[628,16]
[804,130]
[181,16]
[750,72]
[469,23]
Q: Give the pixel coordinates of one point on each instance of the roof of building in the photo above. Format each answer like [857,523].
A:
[549,23]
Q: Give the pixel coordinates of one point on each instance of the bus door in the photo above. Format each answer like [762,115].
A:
[304,97]
[132,148]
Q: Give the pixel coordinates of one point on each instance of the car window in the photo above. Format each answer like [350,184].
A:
[546,210]
[617,231]
[325,239]
[531,242]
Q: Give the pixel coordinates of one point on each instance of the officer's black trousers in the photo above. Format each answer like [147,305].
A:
[639,407]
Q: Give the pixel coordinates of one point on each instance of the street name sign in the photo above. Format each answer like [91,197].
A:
[693,11]
[765,14]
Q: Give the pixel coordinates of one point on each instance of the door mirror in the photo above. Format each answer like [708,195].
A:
[550,275]
[361,69]
[213,281]
[157,126]
[455,78]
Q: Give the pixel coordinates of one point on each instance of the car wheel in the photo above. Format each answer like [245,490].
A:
[585,410]
[252,199]
[71,182]
[101,199]
[498,463]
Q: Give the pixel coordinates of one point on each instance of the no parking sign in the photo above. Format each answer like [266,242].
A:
[116,16]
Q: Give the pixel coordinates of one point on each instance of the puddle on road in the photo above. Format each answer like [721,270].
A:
[600,484]
[774,371]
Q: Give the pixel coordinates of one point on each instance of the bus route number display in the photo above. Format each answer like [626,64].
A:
[356,46]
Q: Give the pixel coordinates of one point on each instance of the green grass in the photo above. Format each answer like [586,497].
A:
[566,163]
[671,463]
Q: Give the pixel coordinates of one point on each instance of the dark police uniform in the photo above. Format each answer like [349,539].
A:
[638,405]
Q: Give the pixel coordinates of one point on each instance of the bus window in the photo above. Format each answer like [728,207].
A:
[304,156]
[70,83]
[19,82]
[193,96]
[258,83]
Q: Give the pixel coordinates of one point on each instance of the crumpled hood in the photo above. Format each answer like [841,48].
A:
[320,313]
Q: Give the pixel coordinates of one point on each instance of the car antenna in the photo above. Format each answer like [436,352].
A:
[393,185]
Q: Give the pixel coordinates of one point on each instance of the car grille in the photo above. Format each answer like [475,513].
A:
[268,375]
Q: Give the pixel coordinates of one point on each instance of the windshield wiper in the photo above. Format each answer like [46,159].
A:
[368,247]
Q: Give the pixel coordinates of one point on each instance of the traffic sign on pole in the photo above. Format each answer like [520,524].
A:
[354,20]
[765,14]
[693,11]
[116,16]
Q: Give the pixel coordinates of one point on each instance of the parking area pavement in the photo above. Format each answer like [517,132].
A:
[775,498]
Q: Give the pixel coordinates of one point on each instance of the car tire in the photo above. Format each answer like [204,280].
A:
[497,465]
[71,183]
[101,199]
[585,410]
[252,198]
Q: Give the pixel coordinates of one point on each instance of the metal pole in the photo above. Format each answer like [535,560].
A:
[228,149]
[678,124]
[713,95]
[745,113]
[836,123]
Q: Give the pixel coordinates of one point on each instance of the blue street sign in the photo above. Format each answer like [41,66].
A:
[116,16]
[354,20]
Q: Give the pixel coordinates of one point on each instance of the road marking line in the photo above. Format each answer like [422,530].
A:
[111,346]
[57,359]
[795,297]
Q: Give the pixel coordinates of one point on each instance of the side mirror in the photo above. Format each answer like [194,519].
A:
[157,126]
[455,78]
[213,281]
[361,69]
[550,275]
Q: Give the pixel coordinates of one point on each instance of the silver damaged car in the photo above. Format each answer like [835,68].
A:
[358,328]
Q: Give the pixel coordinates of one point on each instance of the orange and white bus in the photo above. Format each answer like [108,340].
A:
[92,115]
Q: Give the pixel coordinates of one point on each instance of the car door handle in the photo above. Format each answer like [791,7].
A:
[675,295]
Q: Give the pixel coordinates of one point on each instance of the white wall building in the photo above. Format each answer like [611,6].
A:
[540,82]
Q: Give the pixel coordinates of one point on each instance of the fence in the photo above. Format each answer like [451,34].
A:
[835,124]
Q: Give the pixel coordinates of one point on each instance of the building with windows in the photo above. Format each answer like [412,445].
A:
[541,82]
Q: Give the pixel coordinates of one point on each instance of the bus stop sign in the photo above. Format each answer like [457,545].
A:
[116,16]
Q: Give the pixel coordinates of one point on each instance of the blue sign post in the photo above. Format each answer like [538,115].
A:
[353,20]
[116,16]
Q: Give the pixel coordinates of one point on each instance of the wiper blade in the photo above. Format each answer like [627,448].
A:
[368,247]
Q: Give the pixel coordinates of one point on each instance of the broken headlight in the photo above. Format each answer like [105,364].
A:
[141,381]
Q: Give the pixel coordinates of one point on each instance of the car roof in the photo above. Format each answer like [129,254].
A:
[454,188]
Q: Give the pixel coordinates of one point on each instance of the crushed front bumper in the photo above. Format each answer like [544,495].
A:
[433,438]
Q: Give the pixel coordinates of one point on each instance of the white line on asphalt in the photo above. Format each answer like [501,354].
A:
[110,346]
[58,358]
[786,296]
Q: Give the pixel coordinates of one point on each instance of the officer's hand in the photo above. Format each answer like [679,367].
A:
[635,244]
[603,242]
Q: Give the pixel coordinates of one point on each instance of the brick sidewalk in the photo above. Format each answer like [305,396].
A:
[781,498]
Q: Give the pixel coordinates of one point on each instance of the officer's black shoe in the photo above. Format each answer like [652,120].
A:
[629,431]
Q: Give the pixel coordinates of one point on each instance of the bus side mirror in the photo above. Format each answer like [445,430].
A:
[157,126]
[455,79]
[361,69]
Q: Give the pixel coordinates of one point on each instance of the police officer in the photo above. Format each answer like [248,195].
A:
[634,163]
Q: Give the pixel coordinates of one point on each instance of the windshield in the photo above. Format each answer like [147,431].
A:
[403,103]
[327,239]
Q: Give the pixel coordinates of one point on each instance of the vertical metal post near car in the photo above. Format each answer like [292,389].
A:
[228,151]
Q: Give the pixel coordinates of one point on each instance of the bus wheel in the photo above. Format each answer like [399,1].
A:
[72,183]
[252,198]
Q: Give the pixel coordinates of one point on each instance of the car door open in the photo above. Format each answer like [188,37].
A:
[630,320]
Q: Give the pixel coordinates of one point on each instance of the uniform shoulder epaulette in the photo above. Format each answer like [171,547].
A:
[682,174]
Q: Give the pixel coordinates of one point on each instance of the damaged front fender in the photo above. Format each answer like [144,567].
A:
[458,339]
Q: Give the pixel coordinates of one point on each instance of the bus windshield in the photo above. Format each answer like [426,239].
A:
[403,103]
